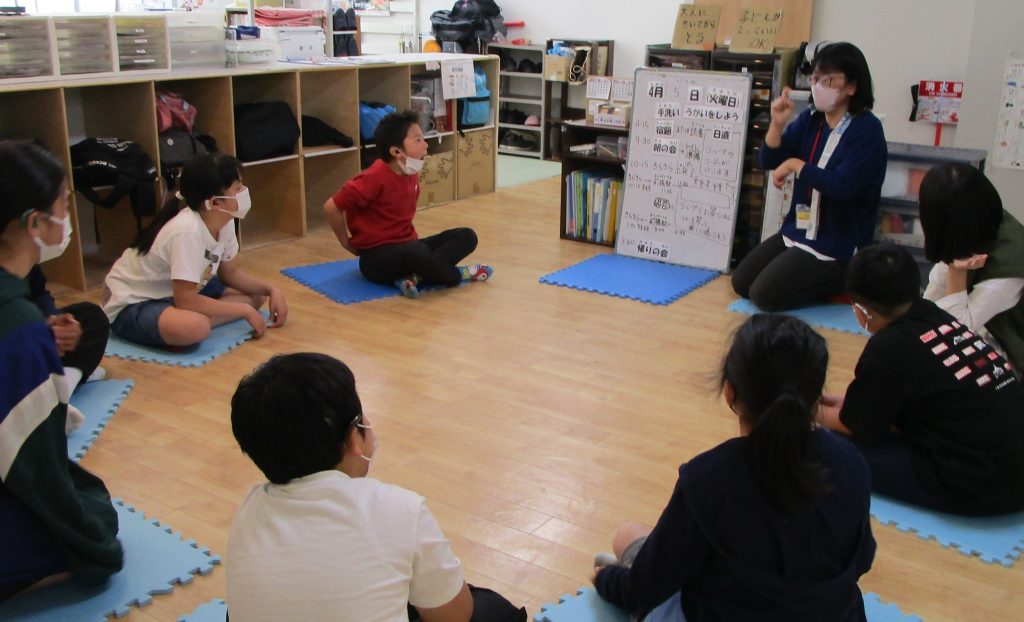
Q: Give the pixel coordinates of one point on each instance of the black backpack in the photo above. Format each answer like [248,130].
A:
[178,147]
[115,162]
[265,130]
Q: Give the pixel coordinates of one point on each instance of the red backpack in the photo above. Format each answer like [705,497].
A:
[173,112]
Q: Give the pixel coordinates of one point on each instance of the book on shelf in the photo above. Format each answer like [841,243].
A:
[592,204]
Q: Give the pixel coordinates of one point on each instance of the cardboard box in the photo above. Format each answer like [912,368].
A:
[556,68]
[613,115]
[476,162]
[437,180]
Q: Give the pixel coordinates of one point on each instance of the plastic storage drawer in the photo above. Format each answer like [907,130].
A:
[26,48]
[198,53]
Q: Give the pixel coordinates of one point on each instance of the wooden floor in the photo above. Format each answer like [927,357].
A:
[534,418]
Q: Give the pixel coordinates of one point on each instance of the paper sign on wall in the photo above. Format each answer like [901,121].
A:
[457,79]
[1009,148]
[756,31]
[696,27]
[939,101]
[380,8]
[622,89]
[599,87]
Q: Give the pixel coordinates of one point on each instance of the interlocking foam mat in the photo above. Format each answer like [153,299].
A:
[587,606]
[98,401]
[833,316]
[155,558]
[214,611]
[994,539]
[627,277]
[342,282]
[222,339]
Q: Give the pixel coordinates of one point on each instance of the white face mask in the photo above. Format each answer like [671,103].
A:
[53,251]
[244,204]
[412,166]
[376,443]
[825,97]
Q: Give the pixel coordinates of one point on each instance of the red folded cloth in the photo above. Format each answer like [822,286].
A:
[269,16]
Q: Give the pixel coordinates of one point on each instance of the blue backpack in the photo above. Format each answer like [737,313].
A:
[476,111]
[370,115]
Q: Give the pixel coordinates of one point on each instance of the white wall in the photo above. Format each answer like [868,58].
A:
[997,29]
[904,41]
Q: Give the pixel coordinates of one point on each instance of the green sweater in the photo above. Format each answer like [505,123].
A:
[54,515]
[1006,260]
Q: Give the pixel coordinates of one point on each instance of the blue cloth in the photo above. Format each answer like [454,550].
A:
[155,559]
[627,277]
[833,316]
[850,185]
[734,556]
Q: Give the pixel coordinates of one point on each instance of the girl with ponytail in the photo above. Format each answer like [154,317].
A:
[771,525]
[180,278]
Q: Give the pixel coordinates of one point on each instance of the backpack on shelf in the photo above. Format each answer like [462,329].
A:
[173,112]
[476,111]
[265,130]
[370,116]
[117,162]
[178,147]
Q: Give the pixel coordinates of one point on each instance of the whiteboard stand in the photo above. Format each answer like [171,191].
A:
[687,141]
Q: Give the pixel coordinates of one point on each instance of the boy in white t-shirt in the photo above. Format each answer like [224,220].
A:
[320,540]
[180,278]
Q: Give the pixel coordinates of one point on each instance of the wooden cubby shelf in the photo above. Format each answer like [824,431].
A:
[289,191]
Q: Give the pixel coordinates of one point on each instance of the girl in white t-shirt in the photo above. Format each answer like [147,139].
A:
[180,278]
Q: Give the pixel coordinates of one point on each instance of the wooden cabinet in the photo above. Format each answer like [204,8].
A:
[576,135]
[288,192]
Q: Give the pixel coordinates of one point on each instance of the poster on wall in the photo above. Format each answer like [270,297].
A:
[1009,148]
[939,101]
[372,7]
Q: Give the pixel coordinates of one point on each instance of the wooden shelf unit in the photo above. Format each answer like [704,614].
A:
[523,92]
[559,93]
[578,132]
[288,192]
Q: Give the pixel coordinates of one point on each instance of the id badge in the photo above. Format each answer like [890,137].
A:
[803,217]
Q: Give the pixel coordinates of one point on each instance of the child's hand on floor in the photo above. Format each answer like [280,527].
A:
[255,319]
[278,308]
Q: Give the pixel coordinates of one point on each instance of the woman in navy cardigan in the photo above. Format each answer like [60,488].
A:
[838,153]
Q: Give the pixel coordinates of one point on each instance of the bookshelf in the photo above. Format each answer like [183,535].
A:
[288,192]
[574,134]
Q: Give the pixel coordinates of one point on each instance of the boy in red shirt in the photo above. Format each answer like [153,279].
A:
[372,217]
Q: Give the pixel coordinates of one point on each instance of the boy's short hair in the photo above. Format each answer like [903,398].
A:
[293,414]
[391,132]
[883,277]
[960,212]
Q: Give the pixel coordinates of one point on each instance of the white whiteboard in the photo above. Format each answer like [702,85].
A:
[686,147]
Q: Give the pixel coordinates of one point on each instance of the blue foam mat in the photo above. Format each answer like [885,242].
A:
[587,606]
[342,282]
[627,277]
[214,611]
[155,558]
[994,539]
[833,316]
[98,401]
[222,339]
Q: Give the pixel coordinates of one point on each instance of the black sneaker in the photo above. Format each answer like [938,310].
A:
[517,117]
[508,63]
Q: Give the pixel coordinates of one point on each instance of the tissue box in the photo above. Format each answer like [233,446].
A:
[613,115]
